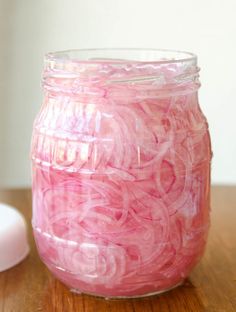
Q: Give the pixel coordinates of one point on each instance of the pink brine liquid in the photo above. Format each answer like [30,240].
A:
[121,173]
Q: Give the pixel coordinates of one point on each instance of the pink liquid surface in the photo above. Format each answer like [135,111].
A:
[121,186]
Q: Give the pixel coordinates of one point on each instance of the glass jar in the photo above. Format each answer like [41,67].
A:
[121,170]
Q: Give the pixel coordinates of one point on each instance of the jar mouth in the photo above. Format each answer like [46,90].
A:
[114,72]
[121,56]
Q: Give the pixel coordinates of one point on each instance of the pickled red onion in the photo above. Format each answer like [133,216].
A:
[120,184]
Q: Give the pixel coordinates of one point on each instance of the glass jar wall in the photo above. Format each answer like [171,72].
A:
[121,170]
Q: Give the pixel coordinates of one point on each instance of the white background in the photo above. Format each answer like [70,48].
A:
[29,28]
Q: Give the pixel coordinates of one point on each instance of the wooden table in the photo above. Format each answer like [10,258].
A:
[29,287]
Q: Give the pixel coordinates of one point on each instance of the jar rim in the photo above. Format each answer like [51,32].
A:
[121,56]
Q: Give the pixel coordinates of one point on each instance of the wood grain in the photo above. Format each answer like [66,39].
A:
[29,287]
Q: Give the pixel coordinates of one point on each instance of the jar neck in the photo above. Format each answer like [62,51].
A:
[109,78]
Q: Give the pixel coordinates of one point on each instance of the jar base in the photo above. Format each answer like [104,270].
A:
[77,291]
